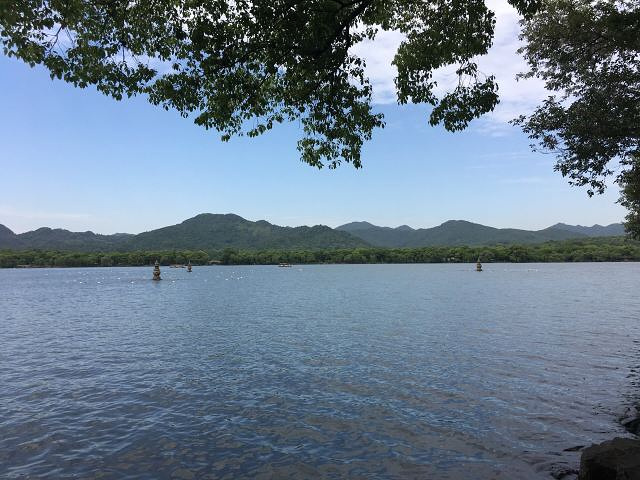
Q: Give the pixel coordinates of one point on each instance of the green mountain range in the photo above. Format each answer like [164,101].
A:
[206,231]
[612,230]
[460,232]
[215,232]
[209,231]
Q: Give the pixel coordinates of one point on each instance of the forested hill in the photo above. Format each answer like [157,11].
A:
[206,231]
[460,232]
[211,231]
[612,230]
[8,239]
[215,232]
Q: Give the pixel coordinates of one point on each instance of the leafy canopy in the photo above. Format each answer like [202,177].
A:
[589,54]
[241,66]
[630,196]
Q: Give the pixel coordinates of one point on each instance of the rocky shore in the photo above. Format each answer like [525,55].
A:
[631,420]
[617,459]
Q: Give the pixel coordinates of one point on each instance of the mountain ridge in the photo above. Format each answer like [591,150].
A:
[215,231]
[206,231]
[594,230]
[209,231]
[463,232]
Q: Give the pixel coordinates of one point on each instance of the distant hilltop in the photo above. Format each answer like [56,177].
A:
[210,231]
[461,232]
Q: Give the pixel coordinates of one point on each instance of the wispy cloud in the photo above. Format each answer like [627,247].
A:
[516,97]
[378,55]
[8,211]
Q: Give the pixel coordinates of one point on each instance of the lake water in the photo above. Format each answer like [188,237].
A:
[336,371]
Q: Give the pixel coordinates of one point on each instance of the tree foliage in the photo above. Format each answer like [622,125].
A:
[607,249]
[58,258]
[589,54]
[241,67]
[630,195]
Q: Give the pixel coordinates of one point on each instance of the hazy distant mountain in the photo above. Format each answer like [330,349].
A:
[379,236]
[453,232]
[8,239]
[213,232]
[611,230]
[59,239]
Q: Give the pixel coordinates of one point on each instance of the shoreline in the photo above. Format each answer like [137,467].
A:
[150,265]
[215,263]
[631,420]
[595,250]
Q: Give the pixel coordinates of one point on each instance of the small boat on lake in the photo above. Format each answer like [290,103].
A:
[284,264]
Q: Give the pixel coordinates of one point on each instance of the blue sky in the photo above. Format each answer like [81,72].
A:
[75,159]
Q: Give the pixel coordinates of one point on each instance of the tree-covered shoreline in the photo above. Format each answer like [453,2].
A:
[612,249]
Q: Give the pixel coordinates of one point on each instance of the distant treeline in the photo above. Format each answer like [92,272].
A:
[611,249]
[54,258]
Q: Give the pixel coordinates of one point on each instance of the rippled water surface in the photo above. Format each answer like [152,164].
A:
[371,371]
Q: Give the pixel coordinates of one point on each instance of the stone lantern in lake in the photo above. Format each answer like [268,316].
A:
[478,266]
[189,266]
[156,271]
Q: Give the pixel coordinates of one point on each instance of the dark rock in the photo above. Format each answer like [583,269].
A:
[560,472]
[574,449]
[632,425]
[631,420]
[617,459]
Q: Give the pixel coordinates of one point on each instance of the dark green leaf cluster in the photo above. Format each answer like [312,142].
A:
[242,67]
[630,195]
[589,53]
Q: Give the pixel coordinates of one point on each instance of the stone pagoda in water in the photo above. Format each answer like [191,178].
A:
[156,271]
[189,266]
[478,266]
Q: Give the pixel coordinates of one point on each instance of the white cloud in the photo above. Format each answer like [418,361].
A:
[378,55]
[516,97]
